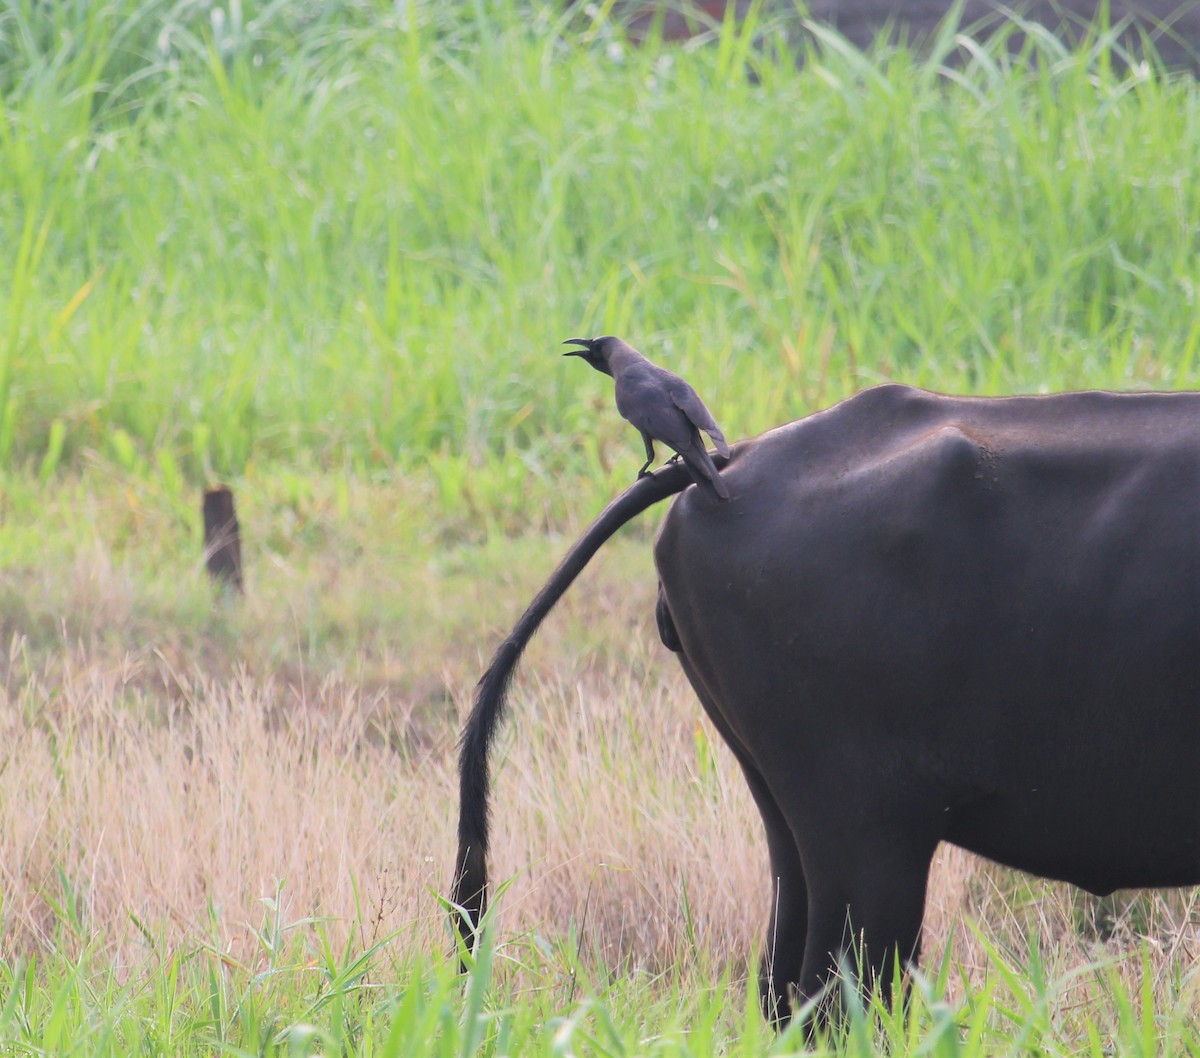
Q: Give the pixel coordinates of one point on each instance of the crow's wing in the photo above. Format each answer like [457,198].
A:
[644,398]
[688,401]
[663,421]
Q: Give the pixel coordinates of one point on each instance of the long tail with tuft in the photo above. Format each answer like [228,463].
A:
[469,892]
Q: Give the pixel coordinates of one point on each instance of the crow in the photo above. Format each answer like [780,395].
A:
[661,405]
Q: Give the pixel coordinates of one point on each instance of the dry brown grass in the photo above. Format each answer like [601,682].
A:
[172,777]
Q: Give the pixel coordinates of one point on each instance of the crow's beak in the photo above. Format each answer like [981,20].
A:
[587,346]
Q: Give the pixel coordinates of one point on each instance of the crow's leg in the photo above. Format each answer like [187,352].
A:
[648,441]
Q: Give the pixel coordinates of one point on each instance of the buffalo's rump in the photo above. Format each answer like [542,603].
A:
[979,614]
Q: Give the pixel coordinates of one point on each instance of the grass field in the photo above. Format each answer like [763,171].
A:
[326,252]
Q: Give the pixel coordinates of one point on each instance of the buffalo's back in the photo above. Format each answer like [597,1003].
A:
[991,606]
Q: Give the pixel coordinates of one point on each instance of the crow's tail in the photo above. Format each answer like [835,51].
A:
[704,472]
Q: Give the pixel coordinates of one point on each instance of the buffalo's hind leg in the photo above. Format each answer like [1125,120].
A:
[787,928]
[866,903]
[779,968]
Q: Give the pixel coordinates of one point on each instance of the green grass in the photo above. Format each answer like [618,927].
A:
[327,251]
[359,232]
[302,996]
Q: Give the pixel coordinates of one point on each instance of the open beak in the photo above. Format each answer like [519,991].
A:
[587,346]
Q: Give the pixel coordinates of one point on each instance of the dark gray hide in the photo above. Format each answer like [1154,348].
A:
[924,618]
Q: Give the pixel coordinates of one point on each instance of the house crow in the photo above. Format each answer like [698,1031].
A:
[661,405]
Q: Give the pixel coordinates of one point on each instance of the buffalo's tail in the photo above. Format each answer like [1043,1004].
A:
[469,891]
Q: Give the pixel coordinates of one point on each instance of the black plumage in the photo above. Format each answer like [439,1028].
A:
[661,405]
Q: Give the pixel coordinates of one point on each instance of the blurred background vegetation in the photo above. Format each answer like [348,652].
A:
[348,237]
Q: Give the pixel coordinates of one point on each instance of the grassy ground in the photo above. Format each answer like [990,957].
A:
[326,252]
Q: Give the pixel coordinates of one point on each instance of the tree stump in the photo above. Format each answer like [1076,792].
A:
[222,539]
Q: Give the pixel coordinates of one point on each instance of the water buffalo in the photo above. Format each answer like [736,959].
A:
[924,618]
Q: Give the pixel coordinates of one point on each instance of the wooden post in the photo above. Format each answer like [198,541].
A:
[222,540]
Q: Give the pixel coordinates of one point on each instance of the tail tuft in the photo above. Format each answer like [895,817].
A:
[469,894]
